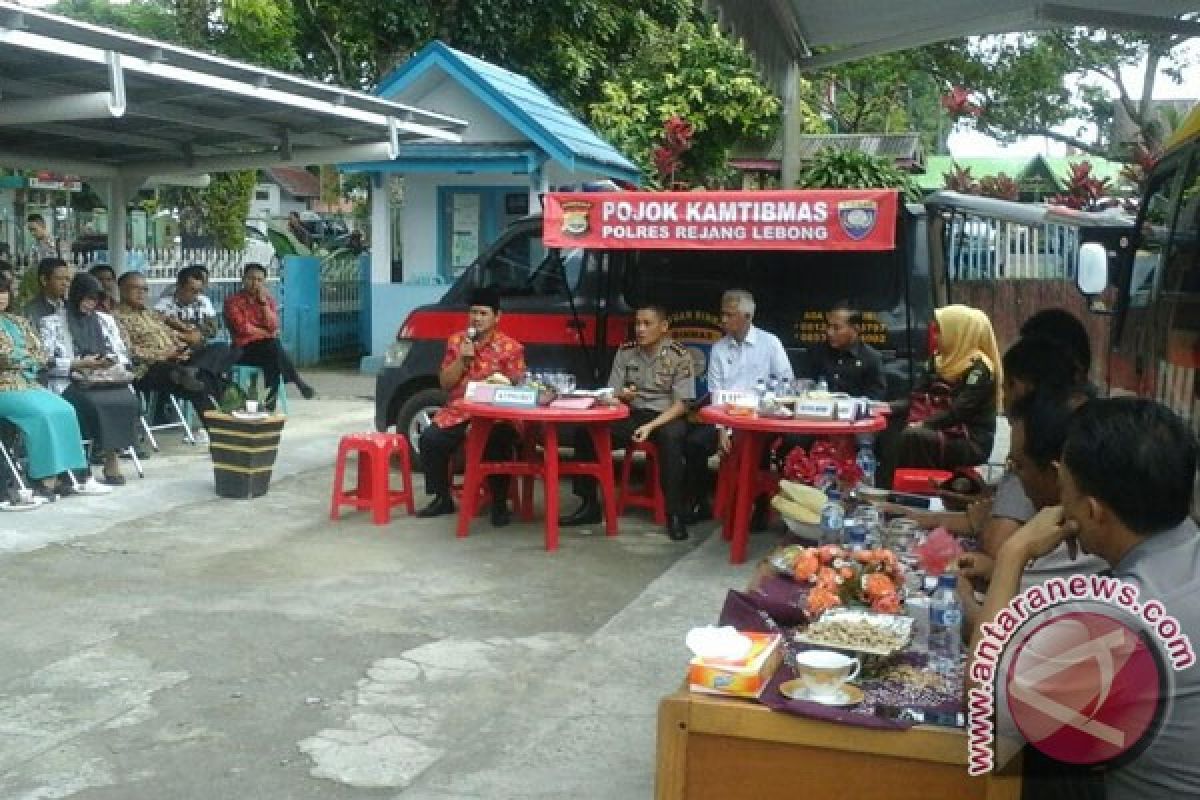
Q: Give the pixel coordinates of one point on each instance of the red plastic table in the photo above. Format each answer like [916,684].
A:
[753,433]
[596,420]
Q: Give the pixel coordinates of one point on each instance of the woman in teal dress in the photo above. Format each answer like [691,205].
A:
[48,424]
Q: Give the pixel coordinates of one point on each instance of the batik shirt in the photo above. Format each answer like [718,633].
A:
[150,339]
[500,353]
[21,355]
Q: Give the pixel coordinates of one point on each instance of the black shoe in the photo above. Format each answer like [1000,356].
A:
[186,379]
[306,391]
[44,493]
[501,516]
[701,512]
[676,529]
[588,513]
[758,521]
[442,504]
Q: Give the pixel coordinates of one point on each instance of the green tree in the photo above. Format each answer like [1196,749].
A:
[884,94]
[1034,84]
[694,72]
[568,47]
[835,168]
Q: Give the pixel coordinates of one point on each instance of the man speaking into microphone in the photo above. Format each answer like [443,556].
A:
[477,354]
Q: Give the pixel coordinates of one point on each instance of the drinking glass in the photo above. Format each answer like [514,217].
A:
[568,379]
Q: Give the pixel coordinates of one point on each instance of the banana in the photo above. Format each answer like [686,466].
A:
[807,496]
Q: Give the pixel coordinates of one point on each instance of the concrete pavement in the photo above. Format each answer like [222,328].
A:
[163,642]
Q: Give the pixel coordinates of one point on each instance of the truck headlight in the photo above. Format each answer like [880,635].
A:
[397,352]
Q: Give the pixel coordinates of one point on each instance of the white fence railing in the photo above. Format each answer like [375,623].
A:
[166,263]
[984,248]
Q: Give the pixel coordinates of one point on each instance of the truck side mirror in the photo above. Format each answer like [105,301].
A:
[1091,268]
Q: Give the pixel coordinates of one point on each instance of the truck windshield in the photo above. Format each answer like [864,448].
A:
[696,279]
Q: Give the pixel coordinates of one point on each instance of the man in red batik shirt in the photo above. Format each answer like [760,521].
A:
[474,355]
[253,321]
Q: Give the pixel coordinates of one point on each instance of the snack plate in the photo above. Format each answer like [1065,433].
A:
[897,625]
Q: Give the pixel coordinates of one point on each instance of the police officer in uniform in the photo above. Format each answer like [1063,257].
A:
[844,360]
[653,376]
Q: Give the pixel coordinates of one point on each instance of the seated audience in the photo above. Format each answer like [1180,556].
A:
[53,278]
[108,279]
[187,309]
[745,355]
[252,317]
[477,354]
[966,380]
[653,376]
[163,361]
[1124,491]
[47,422]
[84,345]
[1065,328]
[9,274]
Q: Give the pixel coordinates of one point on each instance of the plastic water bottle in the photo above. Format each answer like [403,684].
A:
[827,479]
[855,536]
[833,518]
[867,463]
[760,390]
[945,626]
[822,384]
[768,401]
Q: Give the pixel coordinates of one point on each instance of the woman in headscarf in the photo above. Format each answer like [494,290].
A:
[84,343]
[967,366]
[47,422]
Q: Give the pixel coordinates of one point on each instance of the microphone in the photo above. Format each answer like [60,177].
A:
[473,333]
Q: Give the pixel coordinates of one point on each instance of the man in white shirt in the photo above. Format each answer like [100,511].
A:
[739,360]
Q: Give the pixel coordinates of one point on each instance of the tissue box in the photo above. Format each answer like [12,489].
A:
[745,677]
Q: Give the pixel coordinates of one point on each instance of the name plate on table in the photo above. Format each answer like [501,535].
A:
[479,392]
[735,397]
[813,408]
[516,397]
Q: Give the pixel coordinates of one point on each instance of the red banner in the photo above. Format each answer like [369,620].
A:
[818,219]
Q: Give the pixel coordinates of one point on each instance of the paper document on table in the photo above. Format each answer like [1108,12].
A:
[575,403]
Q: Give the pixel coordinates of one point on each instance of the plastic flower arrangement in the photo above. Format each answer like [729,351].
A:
[808,467]
[837,577]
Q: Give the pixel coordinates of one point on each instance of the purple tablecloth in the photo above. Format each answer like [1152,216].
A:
[754,611]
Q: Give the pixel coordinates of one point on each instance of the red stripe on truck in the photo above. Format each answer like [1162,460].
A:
[540,329]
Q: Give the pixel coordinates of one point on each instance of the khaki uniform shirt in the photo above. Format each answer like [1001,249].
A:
[661,378]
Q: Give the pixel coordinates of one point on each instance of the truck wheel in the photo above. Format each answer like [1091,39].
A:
[415,415]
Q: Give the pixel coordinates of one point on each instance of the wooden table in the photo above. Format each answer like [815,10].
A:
[752,435]
[716,748]
[596,420]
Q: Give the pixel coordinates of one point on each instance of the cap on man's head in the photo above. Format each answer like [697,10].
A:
[485,296]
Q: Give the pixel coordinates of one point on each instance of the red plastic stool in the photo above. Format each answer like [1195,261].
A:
[910,480]
[373,489]
[650,495]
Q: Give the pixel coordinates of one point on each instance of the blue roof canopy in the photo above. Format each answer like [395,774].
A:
[522,104]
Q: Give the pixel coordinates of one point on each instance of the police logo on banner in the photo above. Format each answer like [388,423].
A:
[575,217]
[858,217]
